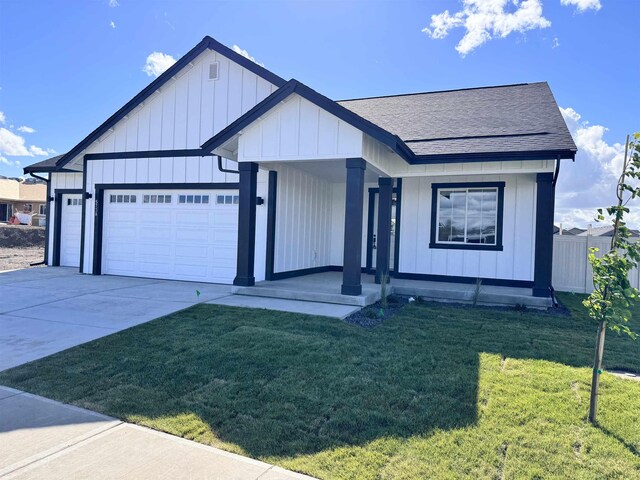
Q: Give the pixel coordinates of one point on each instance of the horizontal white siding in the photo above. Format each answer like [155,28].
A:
[298,130]
[187,110]
[514,262]
[64,181]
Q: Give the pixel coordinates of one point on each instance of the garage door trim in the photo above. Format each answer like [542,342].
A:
[99,207]
[59,192]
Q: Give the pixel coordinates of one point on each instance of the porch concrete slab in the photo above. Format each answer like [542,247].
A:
[283,305]
[23,339]
[47,439]
[320,287]
[173,291]
[32,426]
[114,312]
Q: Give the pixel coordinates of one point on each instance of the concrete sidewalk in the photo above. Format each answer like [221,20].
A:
[42,438]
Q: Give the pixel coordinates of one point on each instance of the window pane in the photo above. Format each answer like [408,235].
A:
[145,199]
[205,199]
[133,199]
[189,198]
[197,199]
[236,199]
[457,229]
[228,199]
[167,199]
[220,199]
[119,199]
[182,199]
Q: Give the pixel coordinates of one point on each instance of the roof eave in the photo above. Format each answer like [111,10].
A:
[494,156]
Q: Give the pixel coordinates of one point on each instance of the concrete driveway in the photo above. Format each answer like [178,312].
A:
[46,310]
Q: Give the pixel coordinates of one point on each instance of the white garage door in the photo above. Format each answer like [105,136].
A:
[70,228]
[172,234]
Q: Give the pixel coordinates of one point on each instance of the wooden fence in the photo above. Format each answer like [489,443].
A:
[571,270]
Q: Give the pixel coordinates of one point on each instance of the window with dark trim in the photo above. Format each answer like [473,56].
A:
[467,216]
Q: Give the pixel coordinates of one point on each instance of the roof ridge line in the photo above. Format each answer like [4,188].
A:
[439,91]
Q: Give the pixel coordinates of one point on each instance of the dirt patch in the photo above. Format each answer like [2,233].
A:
[21,236]
[375,314]
[14,258]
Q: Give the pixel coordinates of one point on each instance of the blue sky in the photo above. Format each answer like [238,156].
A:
[64,68]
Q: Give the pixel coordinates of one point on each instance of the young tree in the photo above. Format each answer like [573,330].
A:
[613,294]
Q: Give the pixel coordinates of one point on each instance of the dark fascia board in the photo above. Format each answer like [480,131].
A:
[494,157]
[145,154]
[293,86]
[206,43]
[49,169]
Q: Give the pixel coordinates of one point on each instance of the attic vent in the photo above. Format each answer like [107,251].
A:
[213,71]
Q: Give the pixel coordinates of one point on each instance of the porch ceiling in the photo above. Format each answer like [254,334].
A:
[333,171]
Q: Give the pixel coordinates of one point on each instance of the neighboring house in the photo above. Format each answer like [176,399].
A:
[567,231]
[305,184]
[21,197]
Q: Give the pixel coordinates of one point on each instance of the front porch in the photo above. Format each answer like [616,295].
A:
[325,287]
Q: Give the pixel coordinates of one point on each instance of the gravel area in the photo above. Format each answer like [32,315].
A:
[14,258]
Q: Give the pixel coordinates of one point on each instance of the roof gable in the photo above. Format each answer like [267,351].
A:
[294,86]
[207,43]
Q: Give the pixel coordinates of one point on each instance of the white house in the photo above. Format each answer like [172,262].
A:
[221,171]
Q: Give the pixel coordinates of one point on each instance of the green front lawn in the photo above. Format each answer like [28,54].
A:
[435,392]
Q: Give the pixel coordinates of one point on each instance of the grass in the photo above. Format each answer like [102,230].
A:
[435,392]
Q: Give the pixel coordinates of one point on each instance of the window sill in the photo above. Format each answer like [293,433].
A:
[466,246]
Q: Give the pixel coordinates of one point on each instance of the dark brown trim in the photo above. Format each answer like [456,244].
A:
[354,200]
[469,280]
[57,231]
[271,225]
[396,247]
[383,251]
[543,267]
[246,225]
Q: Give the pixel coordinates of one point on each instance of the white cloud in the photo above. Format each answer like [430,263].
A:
[12,144]
[555,43]
[3,118]
[589,183]
[157,63]
[112,24]
[38,151]
[113,3]
[484,20]
[25,129]
[245,54]
[583,5]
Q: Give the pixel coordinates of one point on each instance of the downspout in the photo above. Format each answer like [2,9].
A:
[225,170]
[553,183]
[46,228]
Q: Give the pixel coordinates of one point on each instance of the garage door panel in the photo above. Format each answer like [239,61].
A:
[174,240]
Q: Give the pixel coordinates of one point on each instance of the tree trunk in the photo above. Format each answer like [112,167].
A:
[597,369]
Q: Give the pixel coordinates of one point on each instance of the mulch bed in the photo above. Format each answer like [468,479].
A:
[375,314]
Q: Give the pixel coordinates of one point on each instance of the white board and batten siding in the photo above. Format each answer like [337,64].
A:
[187,110]
[183,114]
[514,262]
[303,220]
[299,130]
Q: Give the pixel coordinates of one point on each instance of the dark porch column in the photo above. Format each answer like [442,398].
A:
[352,260]
[545,200]
[246,224]
[383,248]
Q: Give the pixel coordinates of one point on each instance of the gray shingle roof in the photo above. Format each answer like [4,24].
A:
[510,118]
[44,166]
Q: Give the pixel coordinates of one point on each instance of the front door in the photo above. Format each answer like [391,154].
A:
[372,230]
